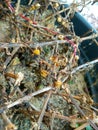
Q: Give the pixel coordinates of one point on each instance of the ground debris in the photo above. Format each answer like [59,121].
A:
[41,85]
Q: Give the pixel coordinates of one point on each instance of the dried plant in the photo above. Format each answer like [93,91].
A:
[39,66]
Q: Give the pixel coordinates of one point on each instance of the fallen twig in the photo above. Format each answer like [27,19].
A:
[25,98]
[43,109]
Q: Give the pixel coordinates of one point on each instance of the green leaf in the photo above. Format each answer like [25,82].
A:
[70,82]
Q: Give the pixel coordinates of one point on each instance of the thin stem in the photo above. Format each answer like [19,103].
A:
[89,37]
[43,110]
[95,109]
[29,103]
[30,1]
[84,66]
[61,11]
[32,45]
[17,7]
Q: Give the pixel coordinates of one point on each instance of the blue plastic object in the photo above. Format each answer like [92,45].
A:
[88,52]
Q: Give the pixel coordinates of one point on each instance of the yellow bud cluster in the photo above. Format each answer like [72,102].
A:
[44,73]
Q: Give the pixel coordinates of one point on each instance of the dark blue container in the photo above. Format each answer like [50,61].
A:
[88,52]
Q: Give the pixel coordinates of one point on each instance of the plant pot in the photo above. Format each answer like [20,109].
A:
[88,52]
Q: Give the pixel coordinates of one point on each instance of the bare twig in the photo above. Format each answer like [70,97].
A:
[17,7]
[95,109]
[30,1]
[89,37]
[32,45]
[58,116]
[29,103]
[57,13]
[84,66]
[43,109]
[25,98]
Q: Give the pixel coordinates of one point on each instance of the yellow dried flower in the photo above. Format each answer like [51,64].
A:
[57,84]
[35,7]
[44,73]
[54,59]
[59,19]
[57,64]
[36,52]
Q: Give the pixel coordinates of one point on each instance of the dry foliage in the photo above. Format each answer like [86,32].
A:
[41,86]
